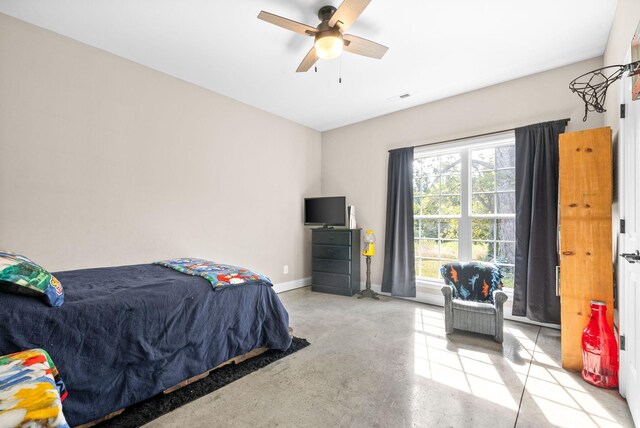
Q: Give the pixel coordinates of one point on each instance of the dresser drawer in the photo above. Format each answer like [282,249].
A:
[332,238]
[330,279]
[331,252]
[331,266]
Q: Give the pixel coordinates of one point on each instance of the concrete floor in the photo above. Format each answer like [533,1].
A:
[388,363]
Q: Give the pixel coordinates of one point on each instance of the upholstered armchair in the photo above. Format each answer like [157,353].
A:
[473,298]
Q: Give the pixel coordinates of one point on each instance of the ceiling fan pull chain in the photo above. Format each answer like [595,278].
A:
[316,68]
[340,76]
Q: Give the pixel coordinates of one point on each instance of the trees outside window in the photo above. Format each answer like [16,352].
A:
[464,206]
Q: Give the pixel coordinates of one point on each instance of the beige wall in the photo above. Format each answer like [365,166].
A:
[354,158]
[106,162]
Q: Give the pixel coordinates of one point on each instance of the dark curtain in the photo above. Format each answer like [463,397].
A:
[399,276]
[534,294]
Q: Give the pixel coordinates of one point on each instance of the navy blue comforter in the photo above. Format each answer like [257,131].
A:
[127,333]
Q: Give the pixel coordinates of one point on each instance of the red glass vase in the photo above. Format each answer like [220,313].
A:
[599,349]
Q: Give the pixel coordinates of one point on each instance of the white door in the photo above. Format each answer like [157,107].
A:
[629,271]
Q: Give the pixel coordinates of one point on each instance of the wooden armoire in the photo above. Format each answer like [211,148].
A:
[585,234]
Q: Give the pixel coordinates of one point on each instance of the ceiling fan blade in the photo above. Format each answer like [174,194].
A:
[287,23]
[347,13]
[308,61]
[360,46]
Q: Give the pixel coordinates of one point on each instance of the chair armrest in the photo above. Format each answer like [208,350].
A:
[499,297]
[447,292]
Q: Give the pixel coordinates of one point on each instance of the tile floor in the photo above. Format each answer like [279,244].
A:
[388,363]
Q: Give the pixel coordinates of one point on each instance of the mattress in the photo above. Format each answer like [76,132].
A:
[127,333]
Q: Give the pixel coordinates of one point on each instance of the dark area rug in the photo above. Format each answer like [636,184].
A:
[146,411]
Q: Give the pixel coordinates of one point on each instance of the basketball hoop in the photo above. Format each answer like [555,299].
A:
[592,86]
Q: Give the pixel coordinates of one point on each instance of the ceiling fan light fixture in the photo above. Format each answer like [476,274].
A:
[329,45]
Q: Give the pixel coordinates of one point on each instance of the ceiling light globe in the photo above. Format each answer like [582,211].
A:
[329,47]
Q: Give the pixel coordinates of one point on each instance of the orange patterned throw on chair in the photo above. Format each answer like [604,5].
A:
[473,298]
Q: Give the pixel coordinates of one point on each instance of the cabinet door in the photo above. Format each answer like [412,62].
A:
[331,266]
[586,269]
[331,280]
[585,175]
[331,252]
[331,237]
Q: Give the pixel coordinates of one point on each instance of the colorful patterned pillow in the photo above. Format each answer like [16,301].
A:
[472,281]
[20,275]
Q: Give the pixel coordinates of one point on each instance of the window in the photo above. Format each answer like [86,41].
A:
[464,205]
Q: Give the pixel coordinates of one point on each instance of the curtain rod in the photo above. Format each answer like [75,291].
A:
[478,135]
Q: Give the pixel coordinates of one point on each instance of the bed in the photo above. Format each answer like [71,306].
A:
[127,333]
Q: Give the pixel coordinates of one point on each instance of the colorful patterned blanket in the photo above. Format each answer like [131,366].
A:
[31,391]
[219,275]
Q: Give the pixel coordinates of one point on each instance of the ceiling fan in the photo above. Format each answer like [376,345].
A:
[329,35]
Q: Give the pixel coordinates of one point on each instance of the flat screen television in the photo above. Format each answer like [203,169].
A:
[325,211]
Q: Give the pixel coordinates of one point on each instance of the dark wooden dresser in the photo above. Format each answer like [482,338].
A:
[335,261]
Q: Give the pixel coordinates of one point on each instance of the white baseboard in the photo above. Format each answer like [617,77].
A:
[281,287]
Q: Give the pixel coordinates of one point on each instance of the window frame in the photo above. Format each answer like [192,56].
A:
[465,219]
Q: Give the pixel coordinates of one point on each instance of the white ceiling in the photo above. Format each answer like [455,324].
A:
[437,48]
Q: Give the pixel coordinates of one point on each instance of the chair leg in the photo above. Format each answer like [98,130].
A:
[448,309]
[448,323]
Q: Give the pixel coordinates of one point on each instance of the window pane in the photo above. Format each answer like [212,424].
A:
[506,252]
[429,229]
[506,156]
[483,229]
[438,194]
[431,186]
[450,163]
[482,251]
[506,179]
[448,229]
[416,206]
[450,205]
[429,248]
[509,273]
[430,166]
[506,230]
[483,203]
[417,168]
[430,268]
[429,205]
[483,182]
[449,250]
[483,160]
[506,203]
[450,184]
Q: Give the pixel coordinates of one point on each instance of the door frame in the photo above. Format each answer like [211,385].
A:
[628,180]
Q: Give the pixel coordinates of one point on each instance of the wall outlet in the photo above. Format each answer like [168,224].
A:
[285,269]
